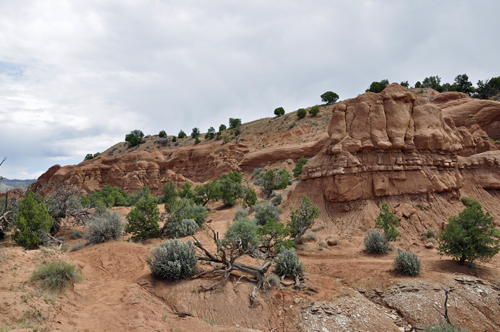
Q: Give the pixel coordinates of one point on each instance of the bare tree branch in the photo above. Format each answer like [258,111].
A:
[445,315]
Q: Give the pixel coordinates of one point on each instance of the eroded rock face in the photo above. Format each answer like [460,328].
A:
[392,143]
[466,111]
[196,164]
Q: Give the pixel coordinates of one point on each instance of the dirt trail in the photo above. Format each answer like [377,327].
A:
[115,295]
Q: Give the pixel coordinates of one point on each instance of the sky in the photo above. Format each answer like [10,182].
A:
[76,76]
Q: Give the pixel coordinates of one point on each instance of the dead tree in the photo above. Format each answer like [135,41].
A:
[63,203]
[8,212]
[445,314]
[228,251]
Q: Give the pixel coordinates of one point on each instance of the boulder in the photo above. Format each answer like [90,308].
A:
[332,242]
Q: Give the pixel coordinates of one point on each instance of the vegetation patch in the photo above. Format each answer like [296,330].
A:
[57,275]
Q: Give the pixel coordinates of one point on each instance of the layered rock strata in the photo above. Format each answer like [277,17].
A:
[392,143]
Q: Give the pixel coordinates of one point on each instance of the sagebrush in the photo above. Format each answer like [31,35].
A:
[287,263]
[376,243]
[57,275]
[266,211]
[173,260]
[105,227]
[407,262]
[183,228]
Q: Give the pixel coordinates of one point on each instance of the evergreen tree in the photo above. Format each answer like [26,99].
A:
[469,236]
[143,218]
[32,219]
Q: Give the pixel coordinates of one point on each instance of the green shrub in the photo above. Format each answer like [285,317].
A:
[274,179]
[469,236]
[207,192]
[279,111]
[143,218]
[298,166]
[181,134]
[76,235]
[173,260]
[314,110]
[56,275]
[89,156]
[250,198]
[329,97]
[256,172]
[273,280]
[109,196]
[287,263]
[134,138]
[210,133]
[378,87]
[196,140]
[169,194]
[387,221]
[302,218]
[444,327]
[266,211]
[408,263]
[185,191]
[376,243]
[105,227]
[301,113]
[277,199]
[174,139]
[233,123]
[195,133]
[310,236]
[198,213]
[469,201]
[240,213]
[242,233]
[428,234]
[162,133]
[33,220]
[77,246]
[231,188]
[222,127]
[183,228]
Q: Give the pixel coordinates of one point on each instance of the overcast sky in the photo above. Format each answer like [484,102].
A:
[77,75]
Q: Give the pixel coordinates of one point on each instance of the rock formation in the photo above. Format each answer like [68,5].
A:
[386,144]
[392,143]
[467,112]
[196,164]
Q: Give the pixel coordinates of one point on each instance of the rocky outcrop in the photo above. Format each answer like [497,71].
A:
[466,111]
[153,169]
[196,164]
[387,144]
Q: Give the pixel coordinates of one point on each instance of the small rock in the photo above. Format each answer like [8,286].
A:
[392,316]
[332,242]
[297,300]
[429,245]
[322,244]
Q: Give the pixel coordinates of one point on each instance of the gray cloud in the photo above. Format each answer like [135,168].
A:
[76,76]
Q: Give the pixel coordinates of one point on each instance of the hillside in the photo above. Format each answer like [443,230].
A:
[8,184]
[420,153]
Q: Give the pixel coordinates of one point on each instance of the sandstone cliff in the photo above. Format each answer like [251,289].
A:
[393,143]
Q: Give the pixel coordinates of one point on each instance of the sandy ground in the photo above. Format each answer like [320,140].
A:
[356,290]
